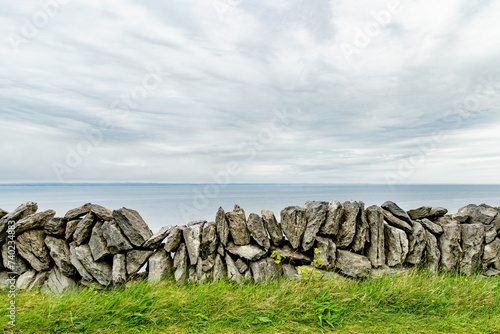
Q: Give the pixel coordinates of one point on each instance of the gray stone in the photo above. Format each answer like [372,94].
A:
[272,227]
[315,217]
[264,270]
[238,226]
[222,226]
[220,250]
[476,214]
[3,213]
[192,275]
[209,240]
[101,212]
[472,246]
[78,212]
[416,244]
[397,212]
[98,244]
[59,252]
[396,245]
[119,269]
[70,229]
[333,219]
[160,266]
[14,263]
[290,272]
[39,280]
[132,226]
[136,260]
[419,213]
[257,230]
[34,221]
[100,270]
[19,213]
[173,239]
[248,275]
[362,228]
[449,245]
[491,256]
[233,274]
[77,264]
[56,226]
[291,255]
[208,263]
[437,212]
[92,283]
[348,226]
[220,271]
[84,229]
[294,223]
[376,248]
[157,238]
[396,222]
[490,233]
[58,283]
[31,246]
[432,227]
[328,252]
[6,280]
[353,265]
[491,272]
[249,252]
[192,238]
[24,281]
[241,265]
[181,263]
[115,240]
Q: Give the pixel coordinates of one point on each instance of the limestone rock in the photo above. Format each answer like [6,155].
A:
[181,263]
[58,283]
[353,265]
[98,244]
[77,264]
[257,230]
[220,271]
[132,226]
[416,244]
[84,229]
[39,280]
[397,212]
[362,228]
[333,218]
[173,239]
[25,280]
[437,212]
[490,233]
[476,214]
[396,245]
[348,226]
[6,280]
[238,226]
[101,212]
[491,255]
[3,213]
[328,252]
[222,226]
[472,245]
[78,212]
[119,269]
[19,213]
[160,266]
[209,240]
[241,265]
[136,259]
[115,240]
[56,226]
[432,227]
[419,213]
[208,263]
[396,222]
[192,238]
[249,252]
[449,245]
[272,227]
[315,217]
[70,229]
[220,250]
[156,239]
[100,270]
[264,270]
[376,248]
[34,221]
[491,272]
[59,252]
[291,255]
[294,223]
[31,246]
[17,264]
[233,274]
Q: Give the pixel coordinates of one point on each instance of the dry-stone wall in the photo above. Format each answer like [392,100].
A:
[93,246]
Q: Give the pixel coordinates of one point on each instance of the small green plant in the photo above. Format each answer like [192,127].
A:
[311,274]
[278,260]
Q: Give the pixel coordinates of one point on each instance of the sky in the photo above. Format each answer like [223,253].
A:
[250,91]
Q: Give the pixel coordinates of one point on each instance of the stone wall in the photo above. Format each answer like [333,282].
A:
[93,246]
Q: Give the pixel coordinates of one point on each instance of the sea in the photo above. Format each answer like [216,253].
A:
[177,204]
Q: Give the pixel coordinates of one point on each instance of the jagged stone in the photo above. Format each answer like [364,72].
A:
[472,245]
[173,239]
[290,272]
[192,238]
[437,212]
[328,252]
[39,280]
[432,227]
[291,255]
[294,223]
[34,221]
[238,226]
[70,229]
[491,272]
[476,214]
[396,222]
[272,227]
[352,264]
[31,246]
[222,226]
[77,264]
[348,226]
[242,266]
[25,280]
[98,244]
[490,233]
[84,229]
[101,212]
[233,273]
[491,256]
[92,283]
[333,218]
[181,263]
[419,213]
[59,252]
[6,280]
[376,248]
[209,240]
[208,263]
[192,275]
[396,245]
[58,283]
[315,217]
[249,252]
[100,270]
[416,244]
[248,275]
[264,270]
[115,240]
[56,226]
[160,266]
[136,259]
[220,250]
[119,269]
[157,238]
[14,263]
[257,230]
[397,212]
[19,213]
[78,212]
[220,271]
[132,226]
[449,245]
[362,228]
[3,213]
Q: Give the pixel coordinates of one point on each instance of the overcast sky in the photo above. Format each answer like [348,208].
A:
[250,91]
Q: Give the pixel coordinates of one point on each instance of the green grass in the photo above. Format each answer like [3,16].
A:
[414,302]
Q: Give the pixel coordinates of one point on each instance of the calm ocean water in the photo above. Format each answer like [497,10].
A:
[177,204]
